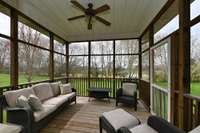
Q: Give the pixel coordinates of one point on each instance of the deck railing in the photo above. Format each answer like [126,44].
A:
[160,102]
[82,84]
[193,115]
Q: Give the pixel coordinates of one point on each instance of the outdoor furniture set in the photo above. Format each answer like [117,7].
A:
[33,108]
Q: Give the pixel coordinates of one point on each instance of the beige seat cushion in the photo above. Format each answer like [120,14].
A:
[143,128]
[56,88]
[119,118]
[128,89]
[59,100]
[70,95]
[47,109]
[10,128]
[43,91]
[196,130]
[11,96]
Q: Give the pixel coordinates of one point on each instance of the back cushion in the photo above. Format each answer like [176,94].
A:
[162,126]
[55,88]
[65,88]
[129,89]
[43,91]
[11,96]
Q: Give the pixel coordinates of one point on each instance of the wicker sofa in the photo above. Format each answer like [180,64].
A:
[32,121]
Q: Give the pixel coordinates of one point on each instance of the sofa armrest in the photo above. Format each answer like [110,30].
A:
[119,92]
[162,126]
[123,130]
[73,90]
[21,116]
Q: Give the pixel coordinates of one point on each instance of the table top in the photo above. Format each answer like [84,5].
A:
[95,89]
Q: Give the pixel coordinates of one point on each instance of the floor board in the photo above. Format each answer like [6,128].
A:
[83,117]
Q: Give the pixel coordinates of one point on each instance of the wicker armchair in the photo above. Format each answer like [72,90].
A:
[128,93]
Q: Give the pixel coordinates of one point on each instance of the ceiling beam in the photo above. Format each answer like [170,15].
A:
[157,17]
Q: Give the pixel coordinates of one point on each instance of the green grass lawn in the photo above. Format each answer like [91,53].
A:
[195,87]
[5,79]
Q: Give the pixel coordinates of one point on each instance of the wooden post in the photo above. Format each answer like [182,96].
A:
[151,66]
[174,76]
[67,61]
[114,71]
[51,58]
[184,61]
[140,59]
[89,62]
[140,65]
[14,49]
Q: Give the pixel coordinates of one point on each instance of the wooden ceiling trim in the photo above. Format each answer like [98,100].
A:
[161,12]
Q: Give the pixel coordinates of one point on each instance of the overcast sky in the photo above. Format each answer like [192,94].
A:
[195,11]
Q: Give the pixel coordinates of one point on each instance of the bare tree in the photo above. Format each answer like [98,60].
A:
[27,52]
[4,53]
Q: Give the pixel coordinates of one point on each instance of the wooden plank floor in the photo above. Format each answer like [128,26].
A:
[83,117]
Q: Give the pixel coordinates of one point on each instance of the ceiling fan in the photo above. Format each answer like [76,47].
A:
[91,13]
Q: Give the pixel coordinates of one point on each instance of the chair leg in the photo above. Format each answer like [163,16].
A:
[136,106]
[100,126]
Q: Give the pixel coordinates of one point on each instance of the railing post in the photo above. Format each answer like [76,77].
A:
[1,108]
[51,58]
[14,49]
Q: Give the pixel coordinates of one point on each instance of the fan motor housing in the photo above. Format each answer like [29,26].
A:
[90,11]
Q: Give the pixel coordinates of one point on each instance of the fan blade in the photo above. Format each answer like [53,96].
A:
[77,4]
[102,9]
[102,20]
[77,17]
[90,24]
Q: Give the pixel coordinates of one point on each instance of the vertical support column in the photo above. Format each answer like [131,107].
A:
[14,49]
[184,61]
[140,64]
[67,61]
[151,69]
[174,76]
[51,61]
[114,71]
[89,62]
[140,59]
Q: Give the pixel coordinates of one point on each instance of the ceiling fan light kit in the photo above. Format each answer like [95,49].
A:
[90,13]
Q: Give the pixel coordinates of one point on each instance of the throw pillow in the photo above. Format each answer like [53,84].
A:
[56,88]
[22,102]
[35,103]
[65,88]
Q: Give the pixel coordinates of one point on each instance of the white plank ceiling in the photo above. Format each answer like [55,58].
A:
[129,18]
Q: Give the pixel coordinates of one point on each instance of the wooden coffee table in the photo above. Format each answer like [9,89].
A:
[99,93]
